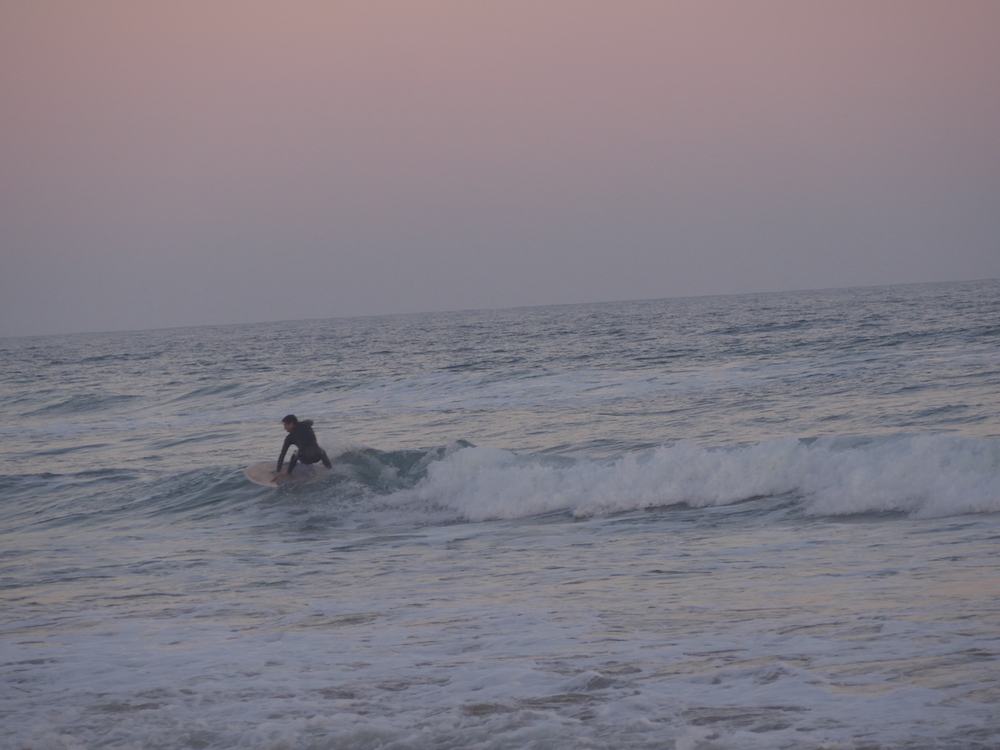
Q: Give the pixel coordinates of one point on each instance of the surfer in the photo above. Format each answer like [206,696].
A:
[301,435]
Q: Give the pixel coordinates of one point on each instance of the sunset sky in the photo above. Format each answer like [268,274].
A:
[222,161]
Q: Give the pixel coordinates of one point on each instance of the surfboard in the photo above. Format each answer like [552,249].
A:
[263,473]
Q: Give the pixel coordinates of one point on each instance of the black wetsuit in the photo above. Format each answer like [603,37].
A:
[303,438]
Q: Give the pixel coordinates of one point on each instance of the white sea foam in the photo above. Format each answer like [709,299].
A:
[500,636]
[921,475]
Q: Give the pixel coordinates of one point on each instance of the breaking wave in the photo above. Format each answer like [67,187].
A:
[926,476]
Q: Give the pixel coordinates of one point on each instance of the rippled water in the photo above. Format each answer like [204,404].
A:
[735,522]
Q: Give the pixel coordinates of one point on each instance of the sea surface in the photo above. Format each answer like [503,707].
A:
[740,522]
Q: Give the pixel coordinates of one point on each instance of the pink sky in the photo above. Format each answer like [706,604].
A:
[189,162]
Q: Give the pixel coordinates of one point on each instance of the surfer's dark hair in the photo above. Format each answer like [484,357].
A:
[290,419]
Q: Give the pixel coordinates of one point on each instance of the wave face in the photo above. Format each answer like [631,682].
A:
[743,522]
[927,476]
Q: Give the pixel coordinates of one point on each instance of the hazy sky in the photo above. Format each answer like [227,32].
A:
[198,161]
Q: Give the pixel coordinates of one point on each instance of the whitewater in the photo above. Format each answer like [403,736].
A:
[739,522]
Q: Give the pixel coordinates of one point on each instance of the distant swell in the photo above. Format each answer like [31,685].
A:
[933,475]
[82,403]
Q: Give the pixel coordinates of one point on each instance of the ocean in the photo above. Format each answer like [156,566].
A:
[739,522]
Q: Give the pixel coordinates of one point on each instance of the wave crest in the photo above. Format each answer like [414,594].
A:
[929,475]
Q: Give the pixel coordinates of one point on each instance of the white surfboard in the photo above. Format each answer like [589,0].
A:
[263,473]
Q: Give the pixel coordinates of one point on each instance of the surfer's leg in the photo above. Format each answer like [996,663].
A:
[294,460]
[314,457]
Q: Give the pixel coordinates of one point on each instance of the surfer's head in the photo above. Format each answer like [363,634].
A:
[290,421]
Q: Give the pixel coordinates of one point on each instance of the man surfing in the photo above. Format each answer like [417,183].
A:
[301,435]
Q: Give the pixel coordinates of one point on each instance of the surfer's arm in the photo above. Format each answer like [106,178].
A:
[284,450]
